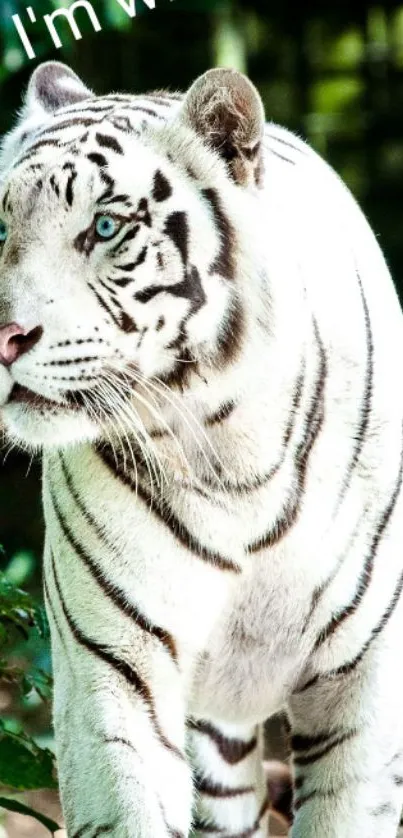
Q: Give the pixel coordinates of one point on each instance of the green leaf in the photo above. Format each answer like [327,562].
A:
[37,679]
[22,809]
[20,609]
[23,764]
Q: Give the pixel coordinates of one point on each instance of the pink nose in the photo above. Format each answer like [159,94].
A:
[15,341]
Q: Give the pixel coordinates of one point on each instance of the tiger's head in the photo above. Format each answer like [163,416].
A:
[125,229]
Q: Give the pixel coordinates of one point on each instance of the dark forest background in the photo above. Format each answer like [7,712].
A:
[331,70]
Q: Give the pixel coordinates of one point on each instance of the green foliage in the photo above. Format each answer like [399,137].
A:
[23,764]
[18,609]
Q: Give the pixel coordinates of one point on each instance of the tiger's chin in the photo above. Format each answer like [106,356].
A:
[35,428]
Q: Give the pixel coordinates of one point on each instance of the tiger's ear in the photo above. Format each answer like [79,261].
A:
[52,86]
[224,108]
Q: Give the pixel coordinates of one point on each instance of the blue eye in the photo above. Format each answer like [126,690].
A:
[3,232]
[106,226]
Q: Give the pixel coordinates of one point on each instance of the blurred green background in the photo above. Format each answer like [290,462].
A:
[330,70]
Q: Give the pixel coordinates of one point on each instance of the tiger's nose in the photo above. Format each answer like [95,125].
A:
[15,341]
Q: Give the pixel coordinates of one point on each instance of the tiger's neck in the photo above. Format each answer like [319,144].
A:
[228,426]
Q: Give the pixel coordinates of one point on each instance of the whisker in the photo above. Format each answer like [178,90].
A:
[160,419]
[180,406]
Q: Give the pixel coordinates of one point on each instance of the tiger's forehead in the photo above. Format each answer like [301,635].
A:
[121,118]
[93,168]
[109,123]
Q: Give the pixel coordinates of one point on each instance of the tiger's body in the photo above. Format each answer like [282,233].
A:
[221,422]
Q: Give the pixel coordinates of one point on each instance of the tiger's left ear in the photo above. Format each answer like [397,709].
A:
[225,109]
[52,86]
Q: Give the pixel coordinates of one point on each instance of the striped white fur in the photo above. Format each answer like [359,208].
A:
[222,461]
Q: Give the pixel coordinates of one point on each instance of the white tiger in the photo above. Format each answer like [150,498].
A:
[199,330]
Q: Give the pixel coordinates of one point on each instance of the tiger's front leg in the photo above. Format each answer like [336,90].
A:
[119,730]
[231,789]
[348,750]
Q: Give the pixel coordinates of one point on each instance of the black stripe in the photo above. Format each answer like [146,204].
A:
[190,288]
[172,832]
[120,319]
[120,281]
[312,427]
[124,669]
[252,485]
[122,199]
[69,188]
[179,376]
[115,318]
[202,826]
[110,590]
[99,830]
[131,266]
[110,185]
[80,832]
[224,263]
[383,810]
[366,403]
[148,111]
[106,141]
[299,802]
[349,667]
[162,189]
[281,156]
[5,199]
[365,578]
[33,150]
[286,143]
[82,121]
[122,123]
[119,740]
[97,158]
[223,412]
[53,613]
[309,759]
[177,228]
[321,589]
[54,185]
[129,236]
[233,751]
[230,336]
[301,742]
[166,516]
[211,789]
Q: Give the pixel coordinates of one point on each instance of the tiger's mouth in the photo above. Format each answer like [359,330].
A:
[23,396]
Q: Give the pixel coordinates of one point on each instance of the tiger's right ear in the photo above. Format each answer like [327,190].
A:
[52,86]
